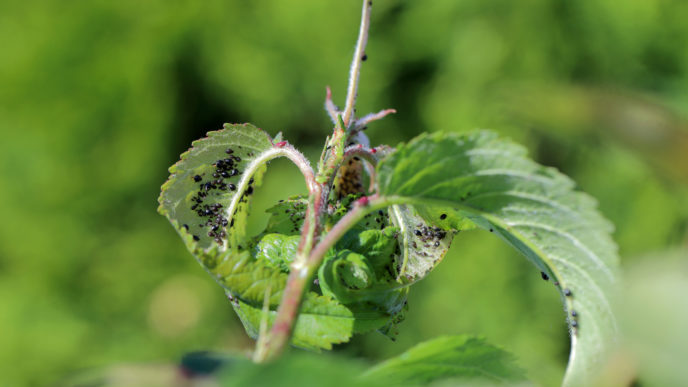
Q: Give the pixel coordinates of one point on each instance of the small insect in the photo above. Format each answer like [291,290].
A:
[231,187]
[567,292]
[229,151]
[196,238]
[544,275]
[574,323]
[574,313]
[225,174]
[197,178]
[364,57]
[443,216]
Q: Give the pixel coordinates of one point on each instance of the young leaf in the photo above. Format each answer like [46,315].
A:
[492,183]
[208,191]
[424,242]
[450,357]
[322,321]
[286,217]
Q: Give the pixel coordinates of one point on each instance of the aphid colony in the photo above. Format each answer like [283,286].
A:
[211,213]
[426,238]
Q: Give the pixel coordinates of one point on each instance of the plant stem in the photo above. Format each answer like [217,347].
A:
[305,263]
[345,223]
[285,150]
[355,70]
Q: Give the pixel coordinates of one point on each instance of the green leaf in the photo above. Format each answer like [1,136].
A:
[286,217]
[533,208]
[208,192]
[424,242]
[322,321]
[278,249]
[451,357]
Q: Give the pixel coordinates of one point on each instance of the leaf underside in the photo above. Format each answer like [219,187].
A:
[490,182]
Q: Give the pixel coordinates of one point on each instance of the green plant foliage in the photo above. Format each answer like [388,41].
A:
[490,181]
[209,189]
[449,357]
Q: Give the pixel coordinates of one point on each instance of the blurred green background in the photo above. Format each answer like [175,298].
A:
[99,98]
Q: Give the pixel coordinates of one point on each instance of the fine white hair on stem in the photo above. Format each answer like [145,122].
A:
[362,122]
[331,108]
[355,70]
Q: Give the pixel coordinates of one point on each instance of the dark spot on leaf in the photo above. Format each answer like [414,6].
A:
[544,275]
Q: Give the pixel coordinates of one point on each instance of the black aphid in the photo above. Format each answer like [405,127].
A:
[491,230]
[437,243]
[186,226]
[229,151]
[544,275]
[237,159]
[567,292]
[364,57]
[249,190]
[197,178]
[233,172]
[196,238]
[443,216]
[574,313]
[418,233]
[225,174]
[231,187]
[574,323]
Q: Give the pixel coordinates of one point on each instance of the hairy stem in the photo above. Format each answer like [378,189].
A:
[345,223]
[282,150]
[355,70]
[302,268]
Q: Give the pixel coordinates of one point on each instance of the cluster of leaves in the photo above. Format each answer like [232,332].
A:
[425,192]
